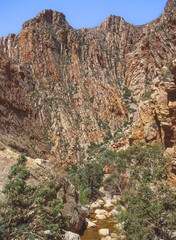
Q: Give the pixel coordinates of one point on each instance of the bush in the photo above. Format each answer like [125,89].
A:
[146,96]
[127,93]
[29,211]
[87,180]
[149,212]
[92,99]
[150,204]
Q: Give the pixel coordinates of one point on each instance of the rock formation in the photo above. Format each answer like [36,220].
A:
[63,88]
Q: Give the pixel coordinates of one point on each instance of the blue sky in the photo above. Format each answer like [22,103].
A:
[79,13]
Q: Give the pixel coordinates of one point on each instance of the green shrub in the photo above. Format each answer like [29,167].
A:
[86,179]
[92,148]
[150,212]
[147,96]
[92,99]
[29,211]
[127,93]
[150,204]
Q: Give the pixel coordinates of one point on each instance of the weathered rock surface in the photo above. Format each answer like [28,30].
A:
[101,212]
[41,171]
[104,232]
[95,205]
[63,88]
[19,127]
[72,236]
[100,216]
[106,238]
[90,224]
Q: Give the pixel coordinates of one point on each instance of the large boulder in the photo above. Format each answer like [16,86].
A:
[42,170]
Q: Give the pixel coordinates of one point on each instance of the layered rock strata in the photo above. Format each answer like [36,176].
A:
[63,88]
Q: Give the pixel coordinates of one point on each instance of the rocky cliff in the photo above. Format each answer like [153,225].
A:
[62,88]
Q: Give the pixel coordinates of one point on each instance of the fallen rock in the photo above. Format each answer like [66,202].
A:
[95,205]
[100,202]
[47,232]
[114,236]
[114,212]
[101,217]
[108,205]
[101,212]
[106,238]
[115,199]
[122,208]
[104,232]
[119,226]
[90,224]
[107,199]
[72,236]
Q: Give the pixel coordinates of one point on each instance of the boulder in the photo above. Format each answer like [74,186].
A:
[106,238]
[115,199]
[95,205]
[114,212]
[90,224]
[101,212]
[100,202]
[119,226]
[47,232]
[101,217]
[72,236]
[104,232]
[114,236]
[108,205]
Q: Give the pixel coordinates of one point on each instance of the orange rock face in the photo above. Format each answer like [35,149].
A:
[19,125]
[73,87]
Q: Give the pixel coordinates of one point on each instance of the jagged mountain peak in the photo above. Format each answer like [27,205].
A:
[112,23]
[170,5]
[48,16]
[113,18]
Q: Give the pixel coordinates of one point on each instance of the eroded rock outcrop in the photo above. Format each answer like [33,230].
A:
[19,125]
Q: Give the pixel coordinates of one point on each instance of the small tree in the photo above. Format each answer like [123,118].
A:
[29,211]
[86,179]
[150,203]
